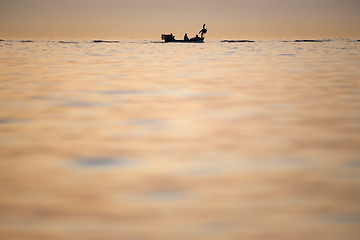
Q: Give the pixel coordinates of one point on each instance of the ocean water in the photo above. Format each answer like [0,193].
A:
[141,140]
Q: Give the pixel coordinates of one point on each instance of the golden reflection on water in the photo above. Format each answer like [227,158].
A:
[141,140]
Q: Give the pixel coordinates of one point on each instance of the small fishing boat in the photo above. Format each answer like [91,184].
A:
[171,38]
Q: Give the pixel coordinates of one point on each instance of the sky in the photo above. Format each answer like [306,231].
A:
[147,19]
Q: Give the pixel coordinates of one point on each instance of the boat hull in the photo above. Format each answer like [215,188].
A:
[171,38]
[186,41]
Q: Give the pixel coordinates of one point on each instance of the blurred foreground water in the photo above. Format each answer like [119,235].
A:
[143,140]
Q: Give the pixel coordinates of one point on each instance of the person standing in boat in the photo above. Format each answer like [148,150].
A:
[186,38]
[203,31]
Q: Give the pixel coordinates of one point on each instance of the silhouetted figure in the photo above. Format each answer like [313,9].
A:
[203,31]
[172,36]
[186,38]
[195,38]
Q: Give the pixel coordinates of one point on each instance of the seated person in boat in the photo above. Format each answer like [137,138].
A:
[195,38]
[186,38]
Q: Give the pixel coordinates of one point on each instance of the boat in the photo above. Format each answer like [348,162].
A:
[171,38]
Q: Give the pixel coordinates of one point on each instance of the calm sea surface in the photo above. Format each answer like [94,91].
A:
[140,140]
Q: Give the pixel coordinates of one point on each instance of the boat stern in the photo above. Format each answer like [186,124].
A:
[168,37]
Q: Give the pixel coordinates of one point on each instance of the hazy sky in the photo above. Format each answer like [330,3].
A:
[147,19]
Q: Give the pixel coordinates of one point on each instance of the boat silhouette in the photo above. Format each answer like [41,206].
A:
[171,38]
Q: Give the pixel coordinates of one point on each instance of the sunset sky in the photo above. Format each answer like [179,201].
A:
[147,19]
